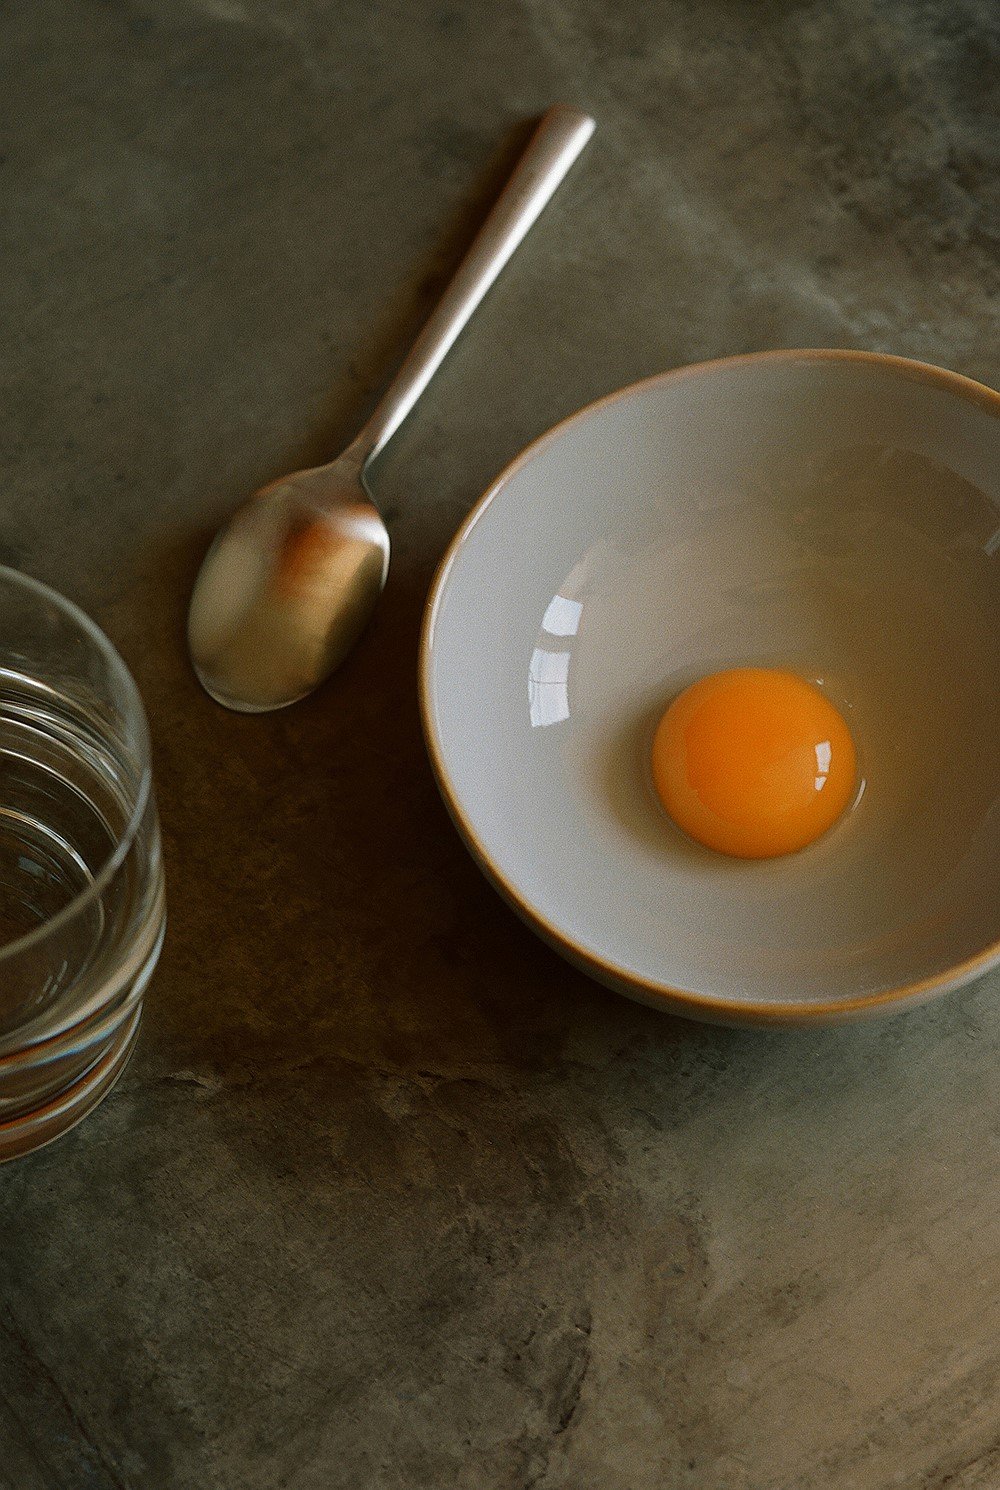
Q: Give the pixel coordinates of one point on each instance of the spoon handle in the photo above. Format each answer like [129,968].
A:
[554,147]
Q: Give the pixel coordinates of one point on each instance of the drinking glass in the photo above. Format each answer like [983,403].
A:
[81,876]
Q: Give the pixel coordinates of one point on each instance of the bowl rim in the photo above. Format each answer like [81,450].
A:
[676,999]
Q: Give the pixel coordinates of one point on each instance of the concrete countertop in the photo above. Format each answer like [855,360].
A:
[390,1196]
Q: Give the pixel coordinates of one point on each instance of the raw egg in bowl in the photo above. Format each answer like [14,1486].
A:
[710,681]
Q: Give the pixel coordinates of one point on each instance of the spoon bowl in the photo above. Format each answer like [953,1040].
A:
[287,588]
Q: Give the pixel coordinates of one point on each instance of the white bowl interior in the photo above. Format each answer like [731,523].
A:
[834,515]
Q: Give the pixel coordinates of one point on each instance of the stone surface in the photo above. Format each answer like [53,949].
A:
[390,1196]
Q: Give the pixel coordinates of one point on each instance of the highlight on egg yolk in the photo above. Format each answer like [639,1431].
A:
[753,762]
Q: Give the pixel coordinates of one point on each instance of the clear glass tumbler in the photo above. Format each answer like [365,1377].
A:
[81,875]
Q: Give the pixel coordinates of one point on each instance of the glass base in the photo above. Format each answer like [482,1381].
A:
[32,1130]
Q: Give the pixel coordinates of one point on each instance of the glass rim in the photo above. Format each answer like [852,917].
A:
[16,579]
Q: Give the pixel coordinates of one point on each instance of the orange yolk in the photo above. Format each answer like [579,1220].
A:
[754,762]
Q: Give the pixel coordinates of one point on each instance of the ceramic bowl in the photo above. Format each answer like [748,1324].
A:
[832,513]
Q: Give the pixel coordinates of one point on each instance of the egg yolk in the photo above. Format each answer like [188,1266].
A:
[753,762]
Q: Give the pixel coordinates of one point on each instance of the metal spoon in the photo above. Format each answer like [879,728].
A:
[289,583]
